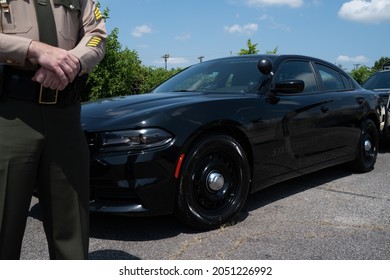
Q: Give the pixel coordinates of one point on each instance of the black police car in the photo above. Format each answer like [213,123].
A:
[205,139]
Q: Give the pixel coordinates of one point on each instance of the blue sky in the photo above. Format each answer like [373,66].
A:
[349,32]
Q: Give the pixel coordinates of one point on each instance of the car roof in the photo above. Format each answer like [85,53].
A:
[278,57]
[272,56]
[383,71]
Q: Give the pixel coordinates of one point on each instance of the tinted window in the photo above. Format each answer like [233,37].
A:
[331,79]
[347,81]
[297,70]
[380,80]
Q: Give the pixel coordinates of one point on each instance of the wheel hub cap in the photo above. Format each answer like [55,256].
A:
[215,181]
[367,146]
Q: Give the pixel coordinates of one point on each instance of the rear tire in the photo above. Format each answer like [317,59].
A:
[367,150]
[214,183]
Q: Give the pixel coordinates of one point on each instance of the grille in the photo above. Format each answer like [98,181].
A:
[111,195]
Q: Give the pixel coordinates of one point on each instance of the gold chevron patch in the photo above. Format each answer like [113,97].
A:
[94,41]
[98,14]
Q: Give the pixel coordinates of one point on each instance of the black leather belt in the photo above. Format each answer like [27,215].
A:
[18,85]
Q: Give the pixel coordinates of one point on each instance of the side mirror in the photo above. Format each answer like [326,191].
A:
[265,66]
[289,86]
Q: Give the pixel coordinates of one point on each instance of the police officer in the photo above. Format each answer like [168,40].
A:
[45,47]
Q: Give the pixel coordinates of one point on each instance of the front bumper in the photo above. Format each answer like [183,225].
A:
[133,184]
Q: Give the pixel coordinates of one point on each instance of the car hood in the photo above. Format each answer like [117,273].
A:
[112,113]
[134,104]
[144,103]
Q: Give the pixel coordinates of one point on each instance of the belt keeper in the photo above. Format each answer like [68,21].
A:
[4,6]
[47,102]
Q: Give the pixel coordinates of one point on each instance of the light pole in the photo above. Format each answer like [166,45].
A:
[166,56]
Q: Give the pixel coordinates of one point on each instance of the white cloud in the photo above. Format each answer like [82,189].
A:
[273,24]
[367,11]
[349,59]
[183,37]
[141,30]
[260,3]
[246,29]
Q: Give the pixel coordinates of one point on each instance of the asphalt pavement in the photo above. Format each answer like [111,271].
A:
[332,214]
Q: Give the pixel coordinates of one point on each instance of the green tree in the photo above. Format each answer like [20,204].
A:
[119,73]
[252,48]
[152,77]
[361,74]
[274,51]
[378,66]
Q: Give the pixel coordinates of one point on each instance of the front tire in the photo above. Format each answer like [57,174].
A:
[214,183]
[367,150]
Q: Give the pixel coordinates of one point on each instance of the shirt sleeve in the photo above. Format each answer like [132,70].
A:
[91,48]
[13,49]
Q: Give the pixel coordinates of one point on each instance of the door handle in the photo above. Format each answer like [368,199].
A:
[360,100]
[325,109]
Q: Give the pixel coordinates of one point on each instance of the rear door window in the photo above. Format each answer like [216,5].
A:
[331,78]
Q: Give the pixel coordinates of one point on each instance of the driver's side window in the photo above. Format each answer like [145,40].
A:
[298,70]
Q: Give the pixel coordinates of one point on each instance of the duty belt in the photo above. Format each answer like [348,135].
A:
[18,85]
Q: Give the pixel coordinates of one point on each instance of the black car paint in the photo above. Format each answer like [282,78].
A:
[284,135]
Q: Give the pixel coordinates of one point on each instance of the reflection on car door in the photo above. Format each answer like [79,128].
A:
[345,110]
[311,127]
[296,125]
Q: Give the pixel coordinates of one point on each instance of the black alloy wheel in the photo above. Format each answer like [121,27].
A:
[215,182]
[368,146]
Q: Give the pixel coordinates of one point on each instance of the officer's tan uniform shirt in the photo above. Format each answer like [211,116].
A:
[74,19]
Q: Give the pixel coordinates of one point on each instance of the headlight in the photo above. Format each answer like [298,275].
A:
[141,139]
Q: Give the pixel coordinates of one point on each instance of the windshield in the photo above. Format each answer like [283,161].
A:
[380,80]
[238,75]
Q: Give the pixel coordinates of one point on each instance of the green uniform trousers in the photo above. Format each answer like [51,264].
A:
[43,147]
